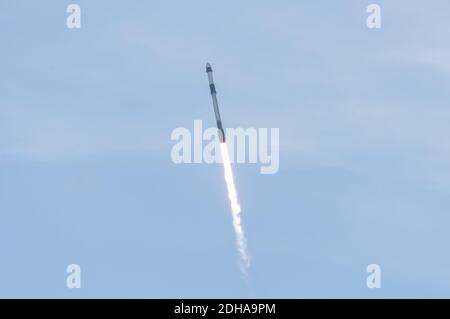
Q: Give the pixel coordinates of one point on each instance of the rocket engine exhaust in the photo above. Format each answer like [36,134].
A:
[235,210]
[241,241]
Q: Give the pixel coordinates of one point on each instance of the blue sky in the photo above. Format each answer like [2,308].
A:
[85,169]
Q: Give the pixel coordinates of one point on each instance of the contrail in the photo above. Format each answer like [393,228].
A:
[232,193]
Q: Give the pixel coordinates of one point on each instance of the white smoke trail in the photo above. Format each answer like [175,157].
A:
[235,209]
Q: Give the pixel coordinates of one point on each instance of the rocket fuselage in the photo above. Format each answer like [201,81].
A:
[212,88]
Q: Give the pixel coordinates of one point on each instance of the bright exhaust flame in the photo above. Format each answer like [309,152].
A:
[235,209]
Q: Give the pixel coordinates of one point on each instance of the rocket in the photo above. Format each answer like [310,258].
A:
[212,88]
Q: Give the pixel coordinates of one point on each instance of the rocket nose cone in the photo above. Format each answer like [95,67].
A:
[208,67]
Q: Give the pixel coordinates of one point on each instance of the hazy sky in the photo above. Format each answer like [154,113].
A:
[86,175]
